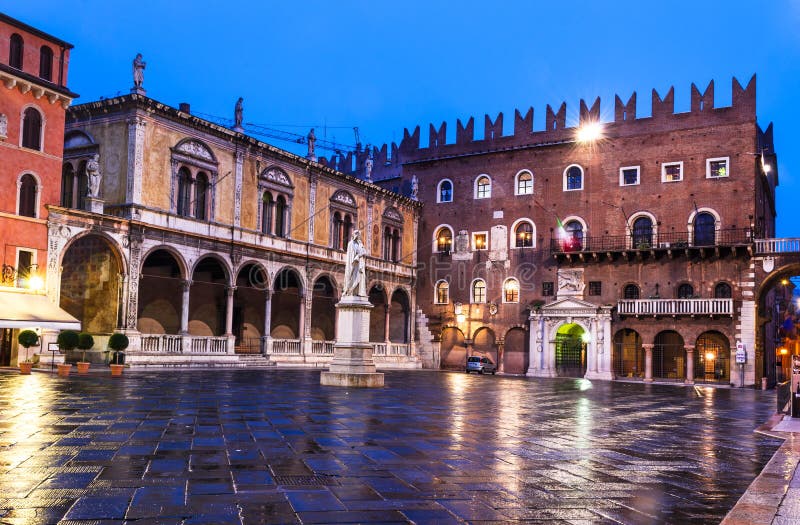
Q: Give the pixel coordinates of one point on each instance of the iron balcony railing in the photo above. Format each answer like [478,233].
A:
[660,241]
[656,307]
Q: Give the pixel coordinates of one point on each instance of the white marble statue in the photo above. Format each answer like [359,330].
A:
[94,175]
[414,187]
[368,165]
[3,125]
[355,274]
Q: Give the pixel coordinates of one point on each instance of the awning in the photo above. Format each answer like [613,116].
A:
[25,310]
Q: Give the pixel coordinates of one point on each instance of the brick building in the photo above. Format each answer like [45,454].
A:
[33,73]
[607,250]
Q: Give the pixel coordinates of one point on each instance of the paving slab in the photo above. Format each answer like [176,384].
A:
[274,446]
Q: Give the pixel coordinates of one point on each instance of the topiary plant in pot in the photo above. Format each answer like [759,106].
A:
[27,339]
[117,344]
[85,342]
[67,340]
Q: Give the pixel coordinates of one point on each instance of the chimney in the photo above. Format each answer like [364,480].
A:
[184,106]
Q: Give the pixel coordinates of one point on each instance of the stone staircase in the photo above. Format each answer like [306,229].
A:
[254,361]
[428,350]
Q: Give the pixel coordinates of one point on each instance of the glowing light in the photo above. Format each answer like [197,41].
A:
[461,318]
[784,281]
[36,283]
[586,337]
[710,356]
[783,350]
[590,132]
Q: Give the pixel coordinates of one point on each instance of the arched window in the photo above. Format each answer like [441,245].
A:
[444,240]
[511,291]
[15,52]
[573,178]
[574,240]
[483,187]
[442,292]
[704,226]
[445,191]
[685,291]
[338,230]
[27,196]
[184,192]
[387,243]
[280,218]
[524,184]
[396,245]
[46,63]
[32,129]
[478,291]
[201,196]
[631,291]
[267,209]
[523,235]
[643,233]
[67,186]
[722,291]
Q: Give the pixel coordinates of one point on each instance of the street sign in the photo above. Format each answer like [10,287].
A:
[741,353]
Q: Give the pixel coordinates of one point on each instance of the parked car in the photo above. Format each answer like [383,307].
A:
[480,365]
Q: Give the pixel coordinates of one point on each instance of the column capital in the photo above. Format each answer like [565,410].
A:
[186,284]
[689,348]
[230,290]
[647,346]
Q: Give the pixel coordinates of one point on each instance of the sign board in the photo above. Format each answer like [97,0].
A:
[741,353]
[53,347]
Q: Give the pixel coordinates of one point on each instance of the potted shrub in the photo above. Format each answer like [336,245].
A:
[85,342]
[27,338]
[117,344]
[67,340]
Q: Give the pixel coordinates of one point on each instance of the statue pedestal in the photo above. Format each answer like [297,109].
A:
[139,91]
[94,205]
[352,364]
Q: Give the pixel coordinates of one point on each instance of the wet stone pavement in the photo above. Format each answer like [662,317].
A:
[232,447]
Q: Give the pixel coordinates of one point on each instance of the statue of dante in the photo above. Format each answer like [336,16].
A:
[138,71]
[355,275]
[237,113]
[93,172]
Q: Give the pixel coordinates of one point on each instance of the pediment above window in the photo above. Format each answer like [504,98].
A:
[195,149]
[393,215]
[344,198]
[277,176]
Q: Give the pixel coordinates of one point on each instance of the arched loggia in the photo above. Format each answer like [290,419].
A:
[249,323]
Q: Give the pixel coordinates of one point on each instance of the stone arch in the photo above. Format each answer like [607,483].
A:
[162,279]
[570,355]
[399,316]
[248,323]
[633,236]
[669,355]
[323,308]
[211,279]
[765,345]
[516,351]
[628,354]
[288,304]
[78,138]
[223,264]
[513,232]
[453,348]
[174,252]
[712,359]
[377,316]
[484,343]
[91,281]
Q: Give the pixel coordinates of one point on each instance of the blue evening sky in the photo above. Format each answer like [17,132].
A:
[383,66]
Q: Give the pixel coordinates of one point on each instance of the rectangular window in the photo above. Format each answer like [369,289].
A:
[480,241]
[595,288]
[24,265]
[672,172]
[547,288]
[629,176]
[716,168]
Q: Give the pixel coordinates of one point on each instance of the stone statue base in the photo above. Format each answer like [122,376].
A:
[352,364]
[94,205]
[139,91]
[238,129]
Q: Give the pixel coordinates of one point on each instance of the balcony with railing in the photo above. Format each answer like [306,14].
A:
[652,244]
[675,307]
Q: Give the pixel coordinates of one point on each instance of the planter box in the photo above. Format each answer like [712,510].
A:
[64,369]
[25,368]
[83,367]
[116,370]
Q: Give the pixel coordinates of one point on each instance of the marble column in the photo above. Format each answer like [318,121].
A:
[501,344]
[267,313]
[229,291]
[301,323]
[689,365]
[386,318]
[187,285]
[648,362]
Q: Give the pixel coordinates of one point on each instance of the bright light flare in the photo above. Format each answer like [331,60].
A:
[36,283]
[710,356]
[589,132]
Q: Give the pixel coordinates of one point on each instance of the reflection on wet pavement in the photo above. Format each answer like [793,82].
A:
[216,447]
